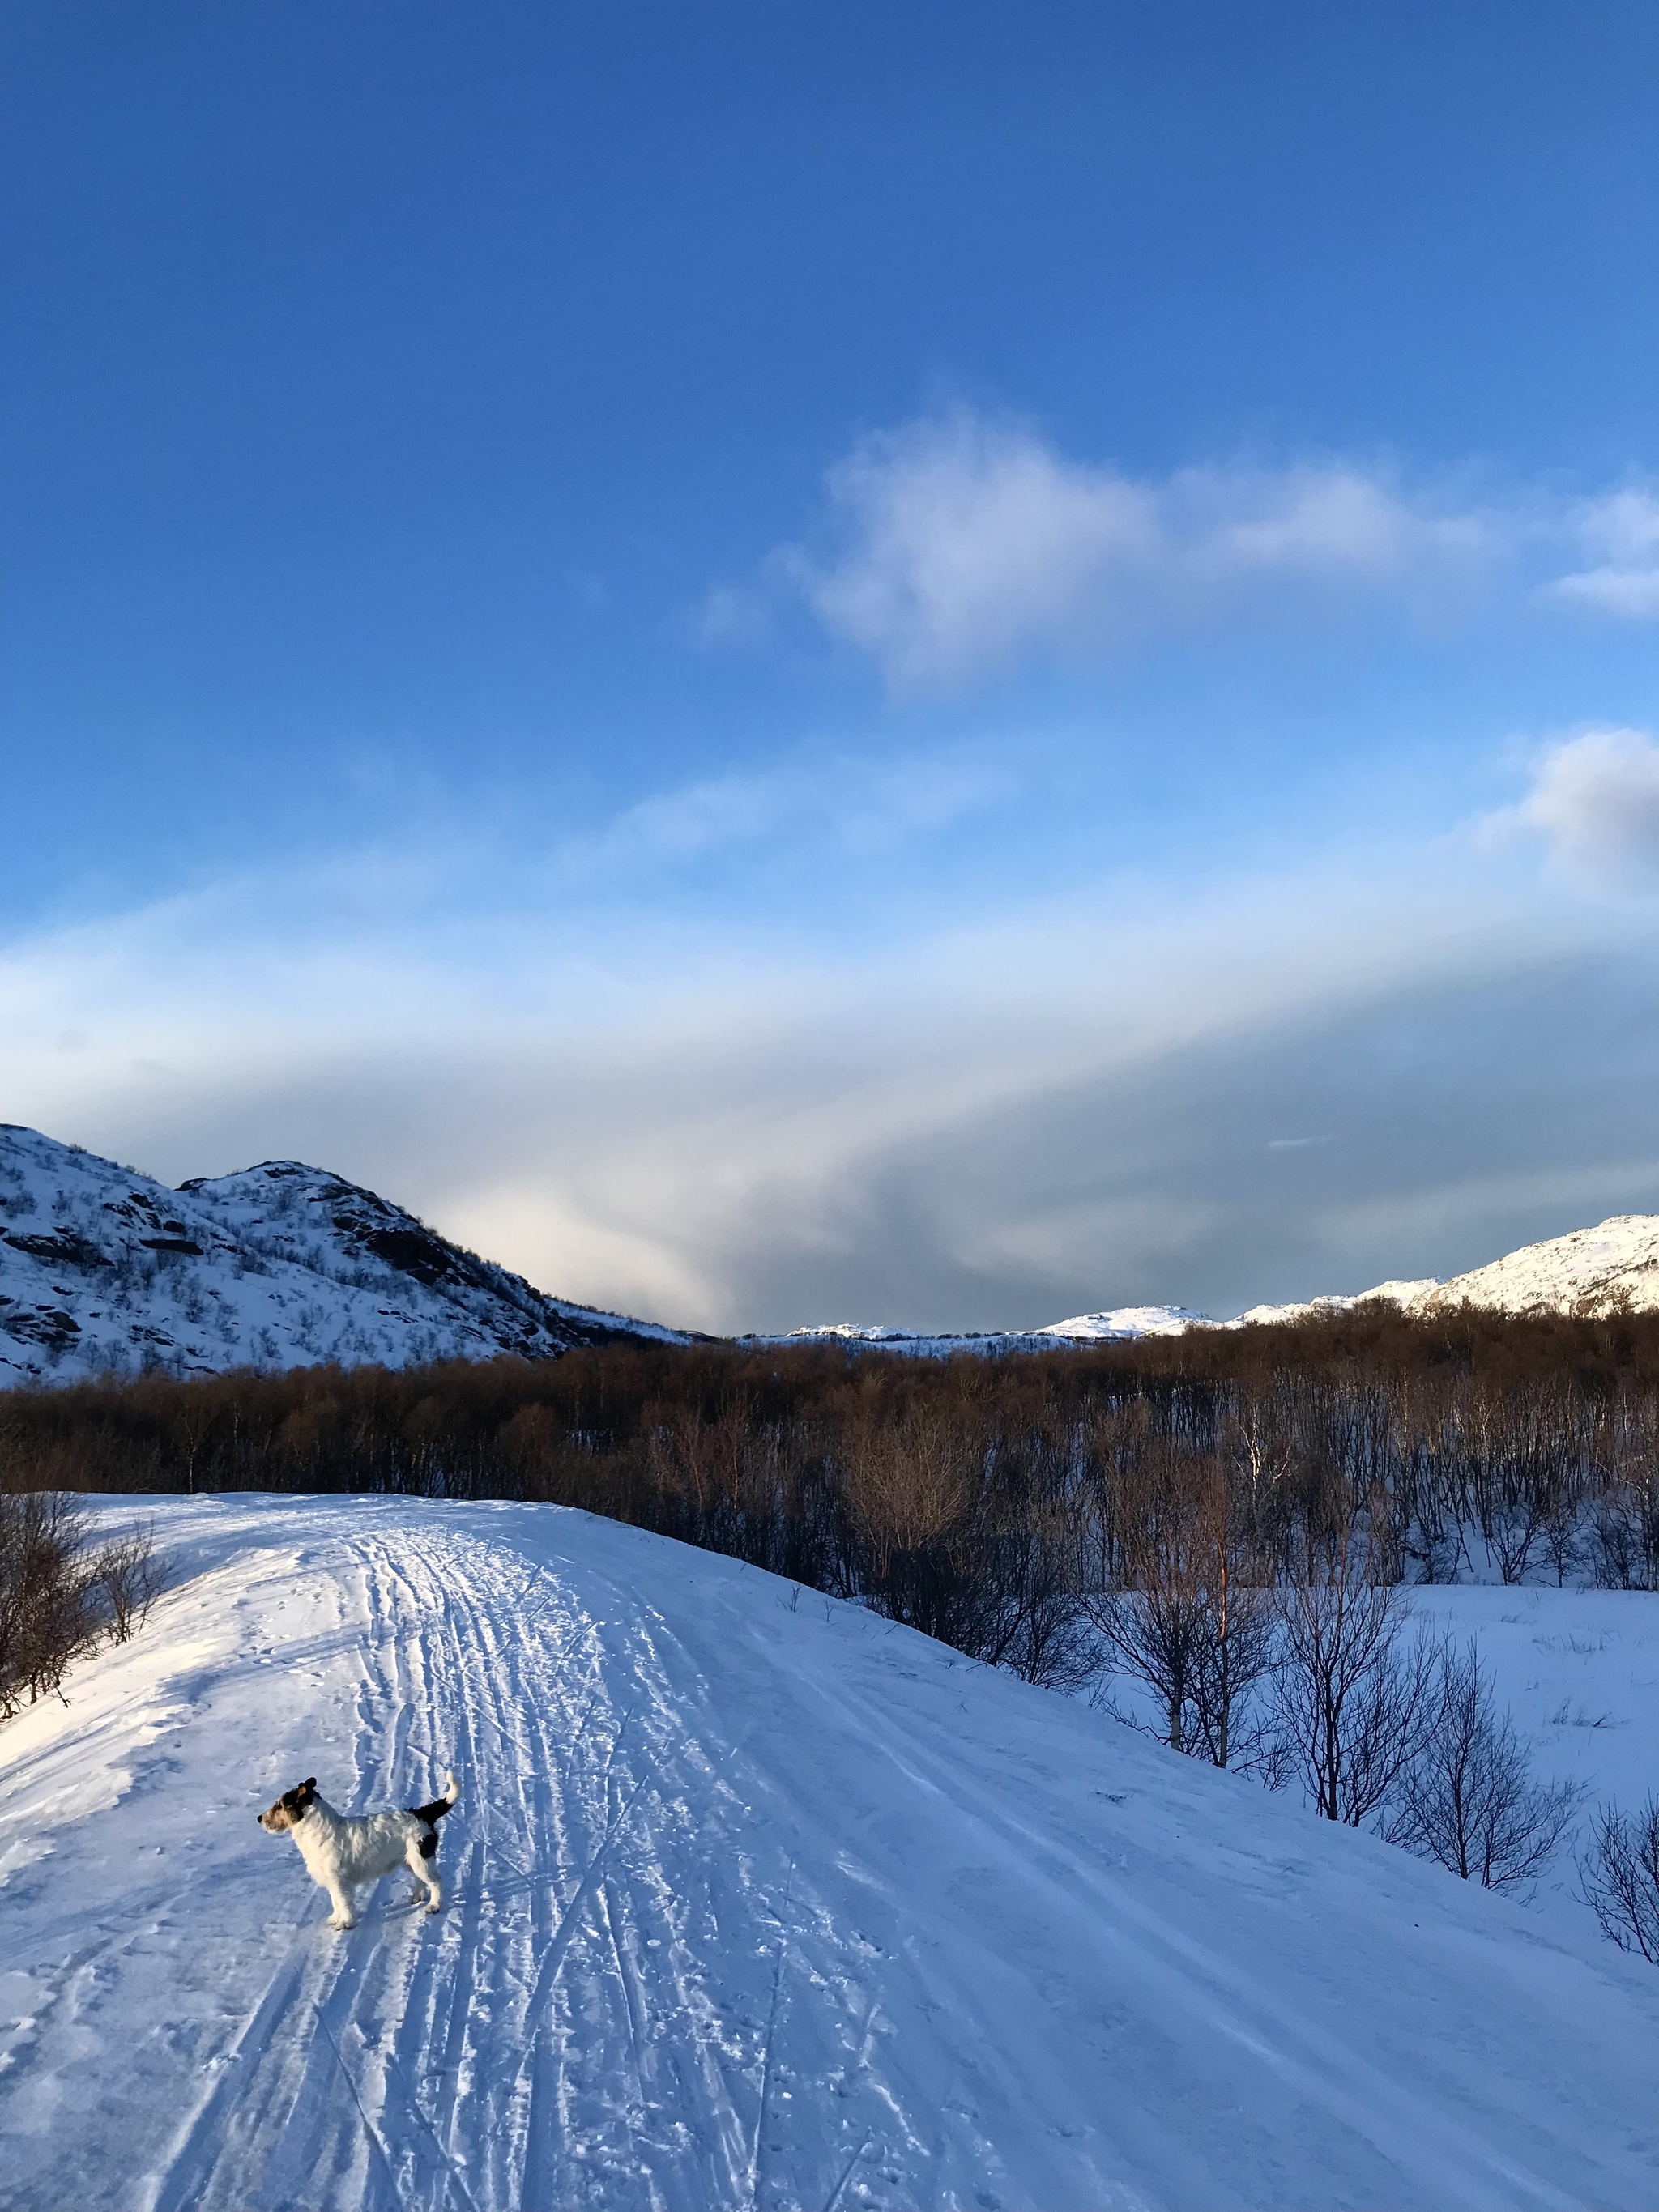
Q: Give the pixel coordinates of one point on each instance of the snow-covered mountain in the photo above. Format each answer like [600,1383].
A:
[1121,1322]
[1591,1271]
[103,1270]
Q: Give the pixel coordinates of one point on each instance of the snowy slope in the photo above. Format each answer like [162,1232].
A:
[103,1270]
[1588,1271]
[755,1901]
[1127,1322]
[1407,1294]
[1591,1269]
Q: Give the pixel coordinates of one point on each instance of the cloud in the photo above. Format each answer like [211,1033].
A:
[955,545]
[1621,534]
[1595,798]
[998,1113]
[837,799]
[965,542]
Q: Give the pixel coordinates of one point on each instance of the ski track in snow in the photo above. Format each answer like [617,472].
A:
[751,1900]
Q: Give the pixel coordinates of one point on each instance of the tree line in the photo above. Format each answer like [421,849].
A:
[1226,1520]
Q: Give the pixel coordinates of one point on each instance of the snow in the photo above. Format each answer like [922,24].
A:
[103,1270]
[1054,1336]
[1577,1671]
[755,1900]
[1583,1271]
[1618,1258]
[1407,1294]
[1587,1270]
[1128,1321]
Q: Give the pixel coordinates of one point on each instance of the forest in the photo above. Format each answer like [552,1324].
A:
[1228,1519]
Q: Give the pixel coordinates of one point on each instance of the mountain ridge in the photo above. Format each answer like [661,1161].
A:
[105,1271]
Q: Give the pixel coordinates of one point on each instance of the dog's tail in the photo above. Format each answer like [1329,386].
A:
[434,1812]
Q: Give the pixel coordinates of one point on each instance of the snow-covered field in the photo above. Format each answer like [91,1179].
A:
[756,1900]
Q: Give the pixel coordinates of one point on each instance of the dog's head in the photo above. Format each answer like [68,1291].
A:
[290,1807]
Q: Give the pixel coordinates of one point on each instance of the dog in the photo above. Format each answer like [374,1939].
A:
[341,1851]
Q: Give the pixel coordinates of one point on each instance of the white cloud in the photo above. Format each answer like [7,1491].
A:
[1595,798]
[965,542]
[1621,534]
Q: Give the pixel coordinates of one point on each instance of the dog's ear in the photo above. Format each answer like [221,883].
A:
[310,1782]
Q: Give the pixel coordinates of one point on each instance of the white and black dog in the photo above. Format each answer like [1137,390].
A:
[340,1852]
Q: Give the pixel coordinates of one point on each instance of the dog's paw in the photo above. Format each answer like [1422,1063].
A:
[340,1926]
[433,1905]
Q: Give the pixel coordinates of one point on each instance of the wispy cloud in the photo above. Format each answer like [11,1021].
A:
[954,546]
[824,796]
[1620,535]
[963,543]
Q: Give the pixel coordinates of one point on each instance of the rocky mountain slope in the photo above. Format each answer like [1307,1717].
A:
[103,1270]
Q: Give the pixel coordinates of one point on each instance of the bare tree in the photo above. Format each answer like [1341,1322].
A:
[58,1597]
[1468,1800]
[1618,1873]
[1156,1626]
[46,1612]
[1238,1648]
[130,1578]
[1355,1700]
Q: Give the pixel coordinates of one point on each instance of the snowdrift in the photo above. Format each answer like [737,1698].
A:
[756,1900]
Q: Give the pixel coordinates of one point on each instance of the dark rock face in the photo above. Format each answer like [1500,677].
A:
[63,1250]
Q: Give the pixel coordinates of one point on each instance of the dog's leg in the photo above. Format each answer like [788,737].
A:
[340,1899]
[426,1873]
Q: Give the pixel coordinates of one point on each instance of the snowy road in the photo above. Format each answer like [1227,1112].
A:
[754,1901]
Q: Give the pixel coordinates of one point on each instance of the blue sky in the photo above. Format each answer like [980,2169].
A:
[941,664]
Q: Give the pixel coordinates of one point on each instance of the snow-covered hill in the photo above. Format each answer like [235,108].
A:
[1084,1329]
[103,1270]
[1591,1271]
[755,1900]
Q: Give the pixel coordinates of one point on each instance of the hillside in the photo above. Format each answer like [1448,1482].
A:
[754,1900]
[103,1270]
[1587,1271]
